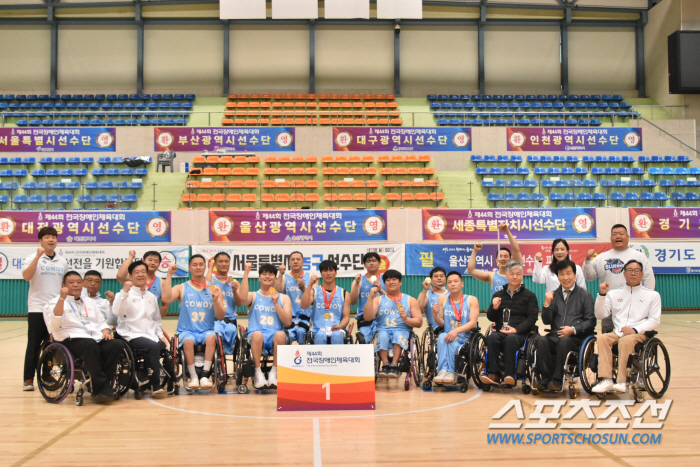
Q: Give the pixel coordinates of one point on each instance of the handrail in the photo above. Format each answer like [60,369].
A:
[669,134]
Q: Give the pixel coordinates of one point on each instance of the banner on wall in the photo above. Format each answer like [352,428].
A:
[103,258]
[671,258]
[665,222]
[347,256]
[198,139]
[368,225]
[525,224]
[87,226]
[574,139]
[402,139]
[81,139]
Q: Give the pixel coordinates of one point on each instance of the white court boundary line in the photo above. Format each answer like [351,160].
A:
[317,444]
[475,396]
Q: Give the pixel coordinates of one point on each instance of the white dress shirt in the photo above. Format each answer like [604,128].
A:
[103,304]
[81,319]
[636,307]
[138,315]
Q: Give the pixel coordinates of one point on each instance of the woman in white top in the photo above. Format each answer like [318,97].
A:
[547,275]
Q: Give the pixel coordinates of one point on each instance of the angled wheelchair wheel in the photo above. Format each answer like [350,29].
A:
[477,360]
[124,376]
[656,367]
[588,364]
[221,372]
[428,354]
[416,359]
[54,373]
[360,338]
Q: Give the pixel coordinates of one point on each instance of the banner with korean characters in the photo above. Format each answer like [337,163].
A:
[665,222]
[87,226]
[348,257]
[525,224]
[325,377]
[367,225]
[421,258]
[103,258]
[199,139]
[671,258]
[402,139]
[82,139]
[574,139]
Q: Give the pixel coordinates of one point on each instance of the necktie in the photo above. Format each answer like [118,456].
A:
[566,295]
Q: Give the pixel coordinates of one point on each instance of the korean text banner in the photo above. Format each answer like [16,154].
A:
[83,139]
[665,222]
[422,257]
[298,226]
[87,226]
[348,257]
[671,258]
[253,139]
[525,224]
[402,139]
[103,258]
[574,139]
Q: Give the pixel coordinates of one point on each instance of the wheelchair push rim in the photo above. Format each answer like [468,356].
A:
[477,359]
[656,368]
[55,373]
[587,376]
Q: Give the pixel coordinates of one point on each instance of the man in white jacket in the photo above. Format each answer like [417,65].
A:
[608,266]
[635,310]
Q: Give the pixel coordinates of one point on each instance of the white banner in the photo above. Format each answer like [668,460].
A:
[346,9]
[294,9]
[348,257]
[399,9]
[103,258]
[242,9]
[671,258]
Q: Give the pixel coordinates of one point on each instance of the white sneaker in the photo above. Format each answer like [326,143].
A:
[205,383]
[622,388]
[440,378]
[603,387]
[272,377]
[450,378]
[260,381]
[194,383]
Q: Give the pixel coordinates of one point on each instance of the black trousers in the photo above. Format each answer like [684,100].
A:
[551,356]
[36,334]
[497,342]
[151,350]
[99,358]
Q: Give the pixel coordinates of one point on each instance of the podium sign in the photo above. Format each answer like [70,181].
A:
[325,377]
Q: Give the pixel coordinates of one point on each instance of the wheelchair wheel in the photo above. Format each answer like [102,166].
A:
[428,354]
[177,373]
[360,338]
[416,359]
[124,376]
[220,373]
[54,373]
[656,368]
[477,360]
[588,364]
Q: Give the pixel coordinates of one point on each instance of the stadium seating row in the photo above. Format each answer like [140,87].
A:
[311,97]
[98,97]
[528,97]
[366,159]
[312,121]
[327,171]
[100,122]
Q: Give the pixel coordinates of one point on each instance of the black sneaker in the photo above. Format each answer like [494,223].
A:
[384,372]
[539,384]
[105,392]
[555,386]
[394,372]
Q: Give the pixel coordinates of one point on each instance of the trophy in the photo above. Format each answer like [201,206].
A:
[506,318]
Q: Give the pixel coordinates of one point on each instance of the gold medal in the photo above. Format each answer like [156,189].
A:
[326,316]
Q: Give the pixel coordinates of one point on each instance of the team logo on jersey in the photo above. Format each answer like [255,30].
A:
[297,358]
[615,265]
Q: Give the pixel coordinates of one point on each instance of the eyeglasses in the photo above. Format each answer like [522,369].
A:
[633,271]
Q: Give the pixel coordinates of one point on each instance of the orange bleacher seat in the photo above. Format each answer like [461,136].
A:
[360,121]
[264,121]
[239,121]
[251,121]
[311,171]
[253,160]
[400,171]
[384,159]
[238,171]
[372,121]
[358,184]
[403,183]
[218,198]
[231,208]
[275,121]
[355,159]
[411,159]
[296,197]
[372,183]
[269,171]
[252,171]
[396,121]
[311,184]
[254,105]
[223,171]
[244,96]
[358,197]
[393,197]
[417,183]
[267,198]
[344,196]
[297,184]
[250,184]
[192,184]
[383,121]
[432,182]
[428,171]
[297,159]
[227,121]
[239,160]
[437,196]
[398,159]
[298,171]
[270,160]
[392,105]
[225,160]
[310,159]
[380,105]
[386,171]
[188,197]
[229,113]
[341,159]
[221,184]
[284,171]
[312,197]
[330,197]
[374,197]
[207,185]
[199,159]
[370,171]
[328,171]
[343,184]
[284,160]
[348,121]
[203,197]
[210,171]
[267,184]
[324,121]
[235,184]
[278,96]
[283,184]
[414,171]
[282,198]
[326,159]
[420,196]
[425,158]
[342,171]
[394,114]
[329,184]
[346,105]
[356,170]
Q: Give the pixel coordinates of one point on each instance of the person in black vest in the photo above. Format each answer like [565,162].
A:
[510,335]
[571,313]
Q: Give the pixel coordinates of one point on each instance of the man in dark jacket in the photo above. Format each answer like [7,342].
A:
[571,313]
[519,306]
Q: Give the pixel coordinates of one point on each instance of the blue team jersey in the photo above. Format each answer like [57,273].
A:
[323,318]
[388,318]
[451,317]
[228,297]
[291,289]
[263,316]
[196,310]
[365,288]
[432,300]
[498,283]
[155,288]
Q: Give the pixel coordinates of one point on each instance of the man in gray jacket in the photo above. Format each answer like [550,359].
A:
[570,311]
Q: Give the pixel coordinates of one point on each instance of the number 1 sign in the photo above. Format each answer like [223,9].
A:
[325,377]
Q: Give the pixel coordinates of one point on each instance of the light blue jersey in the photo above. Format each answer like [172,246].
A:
[227,290]
[450,317]
[432,300]
[388,318]
[498,283]
[365,288]
[196,310]
[263,316]
[322,318]
[155,288]
[291,289]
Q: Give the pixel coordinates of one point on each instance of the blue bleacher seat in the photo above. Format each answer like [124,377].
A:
[491,197]
[99,199]
[98,172]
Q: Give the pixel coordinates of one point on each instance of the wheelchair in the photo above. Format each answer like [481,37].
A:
[479,358]
[218,367]
[57,371]
[243,362]
[309,338]
[409,362]
[430,360]
[571,372]
[648,368]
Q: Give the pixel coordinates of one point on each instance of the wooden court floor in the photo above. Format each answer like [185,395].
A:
[408,428]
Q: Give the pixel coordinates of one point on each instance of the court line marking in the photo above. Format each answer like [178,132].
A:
[58,437]
[317,444]
[475,396]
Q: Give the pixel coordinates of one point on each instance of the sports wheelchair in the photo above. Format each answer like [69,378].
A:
[57,371]
[648,368]
[243,362]
[479,358]
[430,359]
[218,367]
[347,339]
[142,371]
[410,361]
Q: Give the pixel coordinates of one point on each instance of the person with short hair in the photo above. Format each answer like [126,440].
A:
[433,289]
[497,278]
[44,271]
[457,314]
[509,334]
[330,305]
[201,305]
[360,291]
[396,314]
[78,323]
[293,284]
[92,283]
[268,313]
[228,327]
[153,260]
[635,310]
[570,312]
[546,274]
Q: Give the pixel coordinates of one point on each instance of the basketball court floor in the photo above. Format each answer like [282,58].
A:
[412,427]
